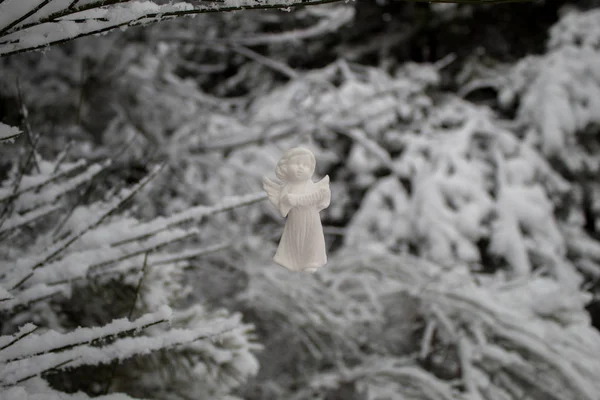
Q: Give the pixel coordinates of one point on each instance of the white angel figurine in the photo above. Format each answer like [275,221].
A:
[302,245]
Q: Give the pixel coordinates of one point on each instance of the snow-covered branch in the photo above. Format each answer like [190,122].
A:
[536,331]
[97,244]
[33,24]
[8,133]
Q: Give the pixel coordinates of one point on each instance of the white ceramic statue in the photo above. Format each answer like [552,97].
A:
[302,246]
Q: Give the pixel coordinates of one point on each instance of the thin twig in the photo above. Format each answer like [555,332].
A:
[57,366]
[324,26]
[91,185]
[73,3]
[79,234]
[84,342]
[209,211]
[266,61]
[80,199]
[81,93]
[177,258]
[62,156]
[7,138]
[40,185]
[464,355]
[24,17]
[137,292]
[260,139]
[21,336]
[139,285]
[27,219]
[25,116]
[141,251]
[427,339]
[8,206]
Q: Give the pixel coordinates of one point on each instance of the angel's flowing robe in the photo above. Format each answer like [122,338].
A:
[302,245]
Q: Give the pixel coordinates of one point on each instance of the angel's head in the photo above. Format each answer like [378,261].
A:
[296,165]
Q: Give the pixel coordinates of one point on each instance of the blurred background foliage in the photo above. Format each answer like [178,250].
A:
[462,143]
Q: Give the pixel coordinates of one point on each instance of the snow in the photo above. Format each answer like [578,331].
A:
[439,179]
[8,132]
[20,220]
[94,243]
[36,190]
[39,30]
[195,214]
[74,24]
[562,98]
[383,217]
[41,391]
[121,349]
[4,294]
[34,294]
[576,28]
[51,341]
[78,264]
[12,10]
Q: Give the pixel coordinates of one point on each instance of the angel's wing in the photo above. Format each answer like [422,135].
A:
[324,184]
[273,191]
[324,181]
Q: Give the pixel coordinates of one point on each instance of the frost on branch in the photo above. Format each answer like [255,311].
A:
[56,288]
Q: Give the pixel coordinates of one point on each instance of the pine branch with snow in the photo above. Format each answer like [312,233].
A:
[558,97]
[46,271]
[30,25]
[8,133]
[397,326]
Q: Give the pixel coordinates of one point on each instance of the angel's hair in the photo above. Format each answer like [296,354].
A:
[281,169]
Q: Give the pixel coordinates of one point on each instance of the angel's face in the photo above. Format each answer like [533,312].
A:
[300,168]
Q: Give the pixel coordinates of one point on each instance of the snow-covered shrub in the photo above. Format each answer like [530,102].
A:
[560,105]
[576,28]
[559,92]
[452,334]
[84,284]
[464,188]
[351,115]
[558,101]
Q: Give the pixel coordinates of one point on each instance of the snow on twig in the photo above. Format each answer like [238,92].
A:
[67,23]
[38,182]
[57,248]
[52,342]
[19,370]
[8,133]
[197,213]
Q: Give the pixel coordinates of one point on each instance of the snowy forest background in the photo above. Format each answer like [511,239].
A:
[463,146]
